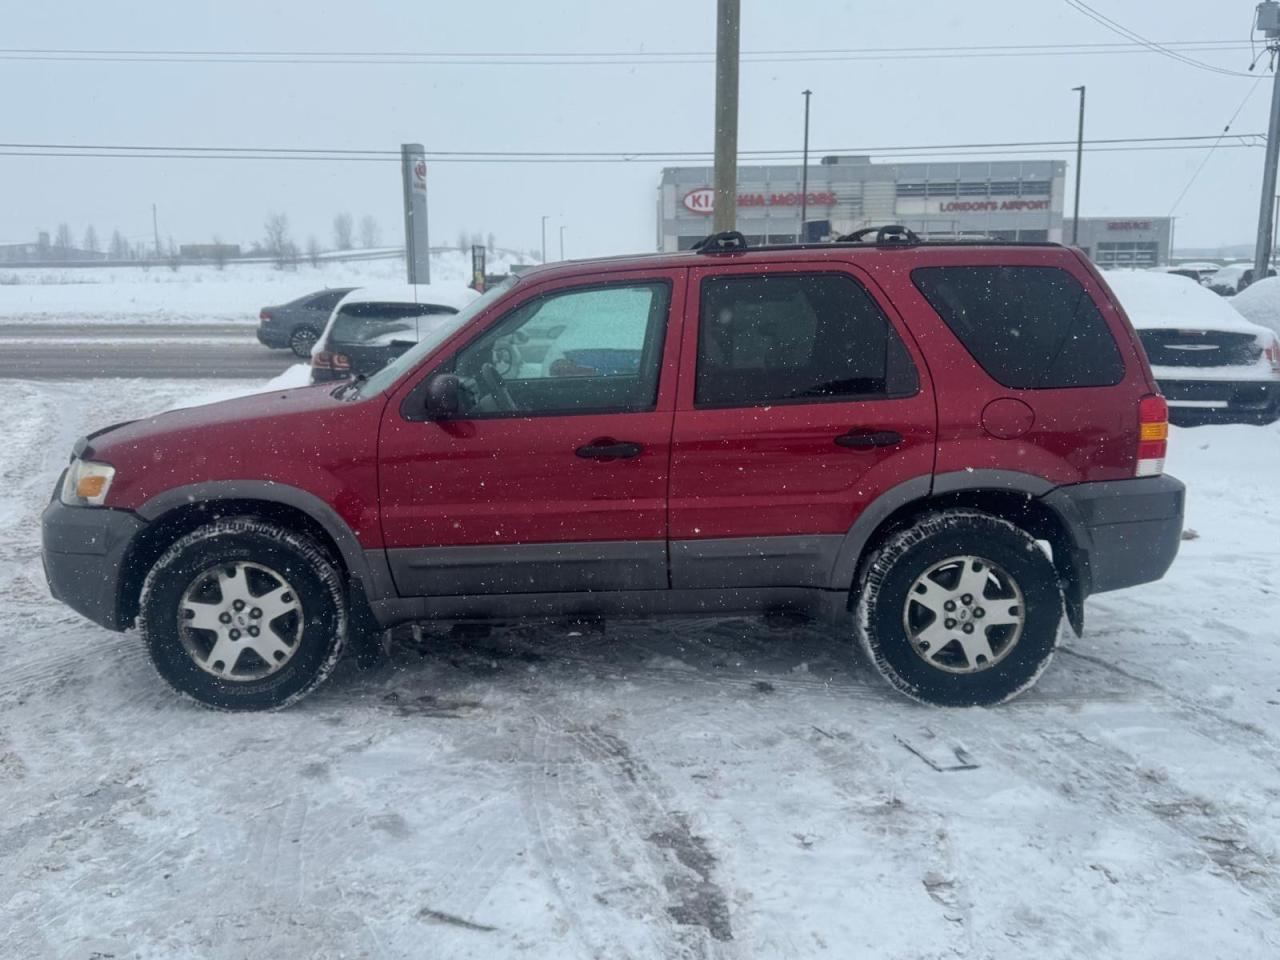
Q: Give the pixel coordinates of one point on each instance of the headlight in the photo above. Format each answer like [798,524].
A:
[86,483]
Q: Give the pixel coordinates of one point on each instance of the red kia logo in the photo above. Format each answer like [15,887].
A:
[701,200]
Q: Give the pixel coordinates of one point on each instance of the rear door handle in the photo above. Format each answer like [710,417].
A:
[607,448]
[869,438]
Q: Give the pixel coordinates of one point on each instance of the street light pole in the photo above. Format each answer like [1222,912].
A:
[562,241]
[728,21]
[544,238]
[1075,218]
[1269,20]
[804,169]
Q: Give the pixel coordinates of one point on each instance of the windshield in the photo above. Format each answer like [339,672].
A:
[446,327]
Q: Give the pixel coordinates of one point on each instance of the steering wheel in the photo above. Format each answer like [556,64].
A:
[491,380]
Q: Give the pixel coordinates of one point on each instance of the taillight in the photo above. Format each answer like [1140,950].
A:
[330,361]
[1153,435]
[264,314]
[1272,353]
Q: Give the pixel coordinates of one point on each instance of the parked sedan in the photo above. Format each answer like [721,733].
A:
[371,326]
[297,324]
[1213,365]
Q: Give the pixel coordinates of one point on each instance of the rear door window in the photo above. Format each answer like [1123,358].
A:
[1030,328]
[796,338]
[326,300]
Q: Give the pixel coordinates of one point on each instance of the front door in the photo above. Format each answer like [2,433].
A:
[800,403]
[554,477]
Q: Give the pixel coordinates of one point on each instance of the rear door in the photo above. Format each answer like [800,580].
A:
[802,399]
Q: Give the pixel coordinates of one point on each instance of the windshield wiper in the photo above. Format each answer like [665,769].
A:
[352,384]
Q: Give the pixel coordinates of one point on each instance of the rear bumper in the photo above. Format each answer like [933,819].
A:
[1221,401]
[1126,532]
[270,335]
[84,550]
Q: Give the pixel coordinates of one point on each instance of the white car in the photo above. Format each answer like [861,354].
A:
[371,326]
[1212,365]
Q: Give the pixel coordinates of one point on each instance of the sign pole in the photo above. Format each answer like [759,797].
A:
[804,170]
[413,176]
[1075,219]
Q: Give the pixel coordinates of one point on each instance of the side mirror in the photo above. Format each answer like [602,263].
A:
[444,396]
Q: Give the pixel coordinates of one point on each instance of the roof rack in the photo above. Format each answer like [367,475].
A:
[894,233]
[890,235]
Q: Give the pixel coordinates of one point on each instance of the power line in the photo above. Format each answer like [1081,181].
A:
[592,155]
[1213,149]
[1163,49]
[612,58]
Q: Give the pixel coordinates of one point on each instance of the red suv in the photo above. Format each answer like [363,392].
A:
[942,448]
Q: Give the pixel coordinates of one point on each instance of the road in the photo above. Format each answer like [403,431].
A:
[31,351]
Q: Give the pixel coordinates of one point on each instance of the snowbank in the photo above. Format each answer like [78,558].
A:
[199,293]
[1260,303]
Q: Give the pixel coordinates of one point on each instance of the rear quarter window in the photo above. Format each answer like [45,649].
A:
[1029,328]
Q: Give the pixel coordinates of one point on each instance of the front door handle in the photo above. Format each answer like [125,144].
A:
[869,438]
[607,448]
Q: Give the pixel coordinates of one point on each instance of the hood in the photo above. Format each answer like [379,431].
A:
[302,437]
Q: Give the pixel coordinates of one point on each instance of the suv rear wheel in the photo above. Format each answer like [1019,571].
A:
[961,609]
[243,615]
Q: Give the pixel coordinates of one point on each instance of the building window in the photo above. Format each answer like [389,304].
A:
[911,189]
[1127,254]
[973,188]
[1036,188]
[1033,236]
[1005,188]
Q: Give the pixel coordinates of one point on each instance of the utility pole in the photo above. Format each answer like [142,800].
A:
[413,183]
[1075,219]
[544,238]
[1268,21]
[804,169]
[728,24]
[562,241]
[155,228]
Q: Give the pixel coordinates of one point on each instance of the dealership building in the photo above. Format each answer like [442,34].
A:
[1002,200]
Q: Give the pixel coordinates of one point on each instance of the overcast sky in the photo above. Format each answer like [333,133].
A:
[606,207]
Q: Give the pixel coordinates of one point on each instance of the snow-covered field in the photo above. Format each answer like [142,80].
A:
[674,789]
[198,293]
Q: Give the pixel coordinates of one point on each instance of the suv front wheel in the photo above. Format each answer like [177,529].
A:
[960,609]
[243,615]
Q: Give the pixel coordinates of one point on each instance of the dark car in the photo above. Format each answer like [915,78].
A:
[942,449]
[371,326]
[297,324]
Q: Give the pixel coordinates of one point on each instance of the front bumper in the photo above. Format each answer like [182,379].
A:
[1126,532]
[1221,401]
[84,558]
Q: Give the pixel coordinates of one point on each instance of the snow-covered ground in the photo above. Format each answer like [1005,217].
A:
[673,789]
[198,293]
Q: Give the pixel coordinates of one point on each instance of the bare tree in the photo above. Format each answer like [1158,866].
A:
[370,232]
[343,232]
[219,254]
[62,239]
[492,243]
[313,251]
[90,242]
[119,248]
[462,240]
[276,243]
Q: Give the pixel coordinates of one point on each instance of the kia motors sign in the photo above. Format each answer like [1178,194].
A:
[702,200]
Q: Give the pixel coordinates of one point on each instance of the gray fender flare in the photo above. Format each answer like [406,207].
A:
[367,566]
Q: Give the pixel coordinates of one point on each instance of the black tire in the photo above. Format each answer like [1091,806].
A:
[892,571]
[302,339]
[305,567]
